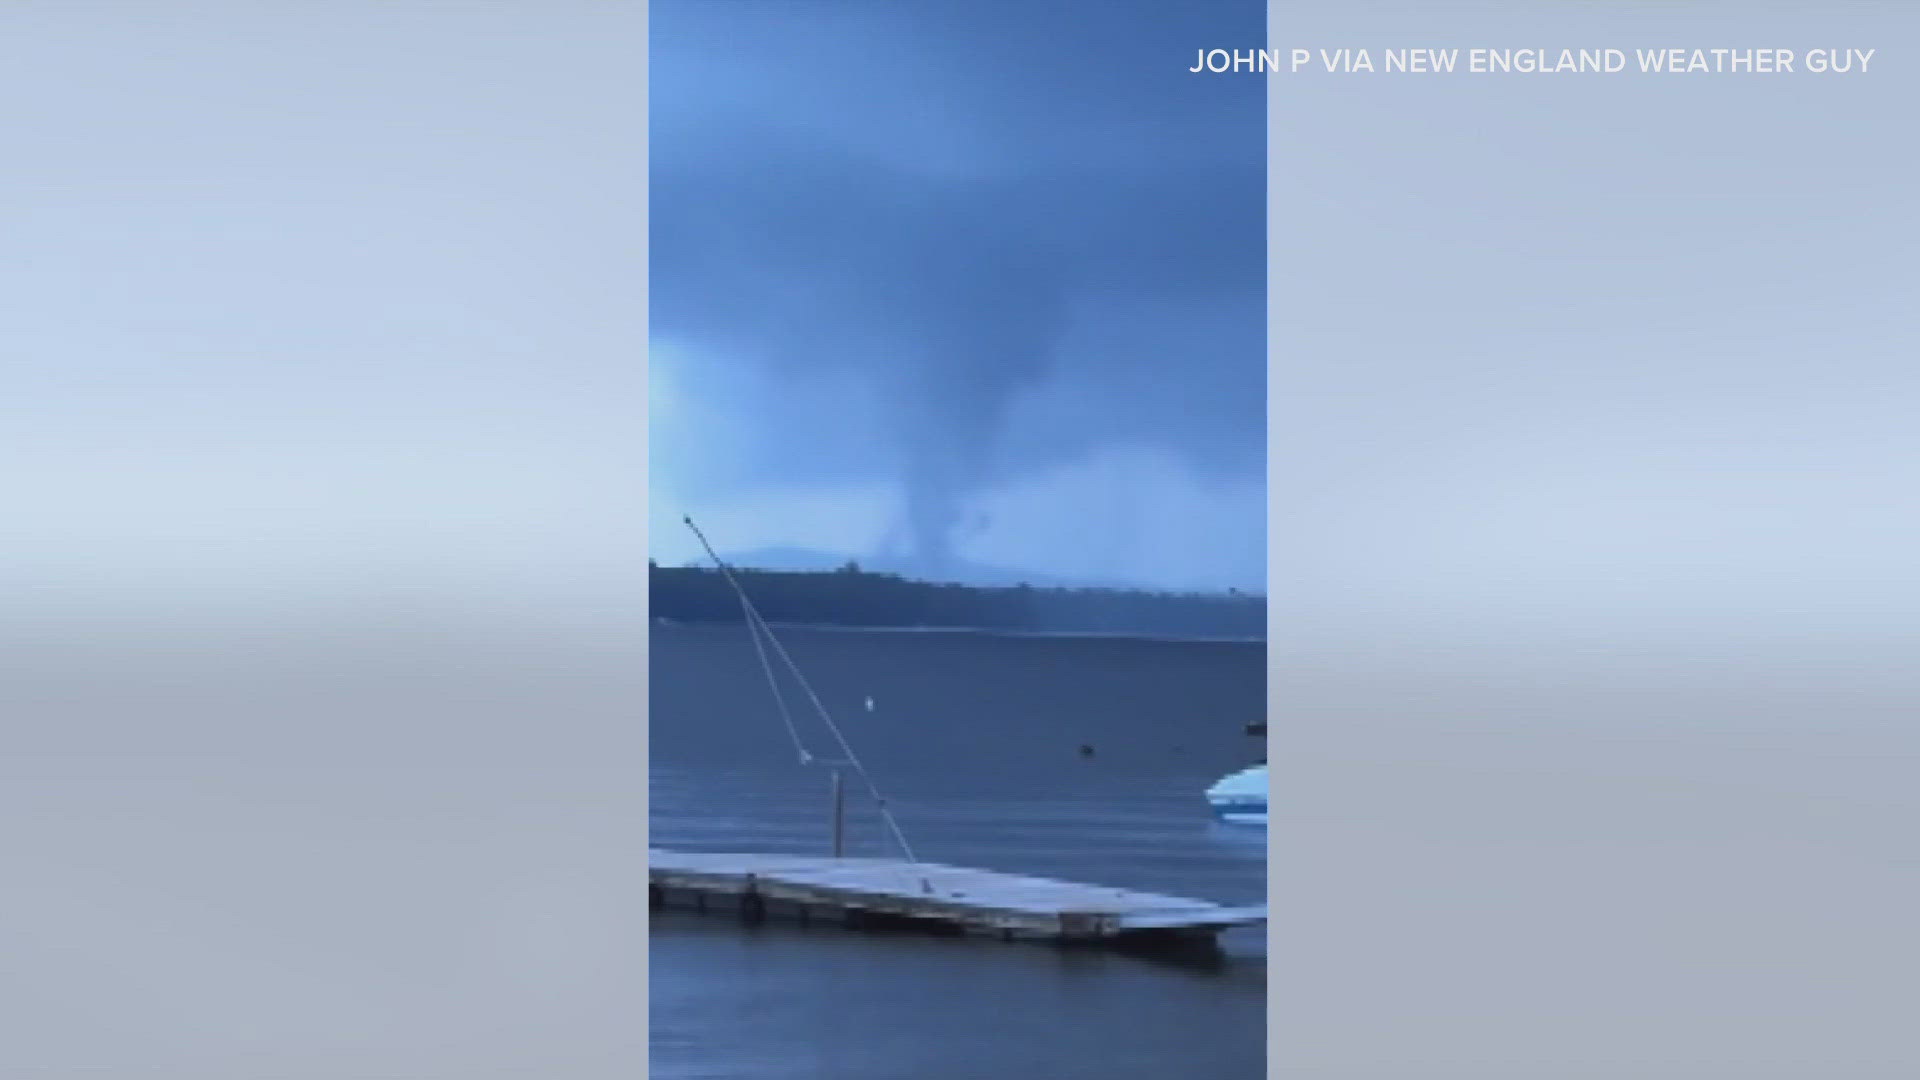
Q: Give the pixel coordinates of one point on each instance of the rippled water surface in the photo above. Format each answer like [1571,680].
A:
[976,741]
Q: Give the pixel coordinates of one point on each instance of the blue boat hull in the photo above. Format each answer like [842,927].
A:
[1243,813]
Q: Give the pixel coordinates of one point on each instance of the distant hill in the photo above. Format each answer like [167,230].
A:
[796,559]
[782,558]
[857,597]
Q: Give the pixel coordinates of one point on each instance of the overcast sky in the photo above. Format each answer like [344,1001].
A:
[956,290]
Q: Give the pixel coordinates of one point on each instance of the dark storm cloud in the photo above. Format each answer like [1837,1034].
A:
[952,289]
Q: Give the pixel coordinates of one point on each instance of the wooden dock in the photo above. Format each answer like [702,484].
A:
[862,893]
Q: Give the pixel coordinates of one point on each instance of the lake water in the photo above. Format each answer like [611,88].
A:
[975,740]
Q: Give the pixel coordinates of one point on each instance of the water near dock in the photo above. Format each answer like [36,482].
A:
[976,739]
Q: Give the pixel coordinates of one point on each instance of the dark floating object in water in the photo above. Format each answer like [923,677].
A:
[1086,750]
[1256,727]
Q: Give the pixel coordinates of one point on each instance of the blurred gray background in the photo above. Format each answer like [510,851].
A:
[1591,479]
[322,646]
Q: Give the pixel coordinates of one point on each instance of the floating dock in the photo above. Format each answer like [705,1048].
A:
[873,893]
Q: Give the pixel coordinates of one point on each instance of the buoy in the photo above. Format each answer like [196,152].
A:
[1086,750]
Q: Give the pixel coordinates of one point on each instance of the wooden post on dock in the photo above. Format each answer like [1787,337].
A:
[839,815]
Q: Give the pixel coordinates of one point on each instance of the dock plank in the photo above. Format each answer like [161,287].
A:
[953,896]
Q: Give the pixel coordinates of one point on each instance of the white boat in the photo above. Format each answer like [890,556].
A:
[1241,798]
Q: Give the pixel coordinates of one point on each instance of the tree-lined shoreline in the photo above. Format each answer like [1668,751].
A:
[851,597]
